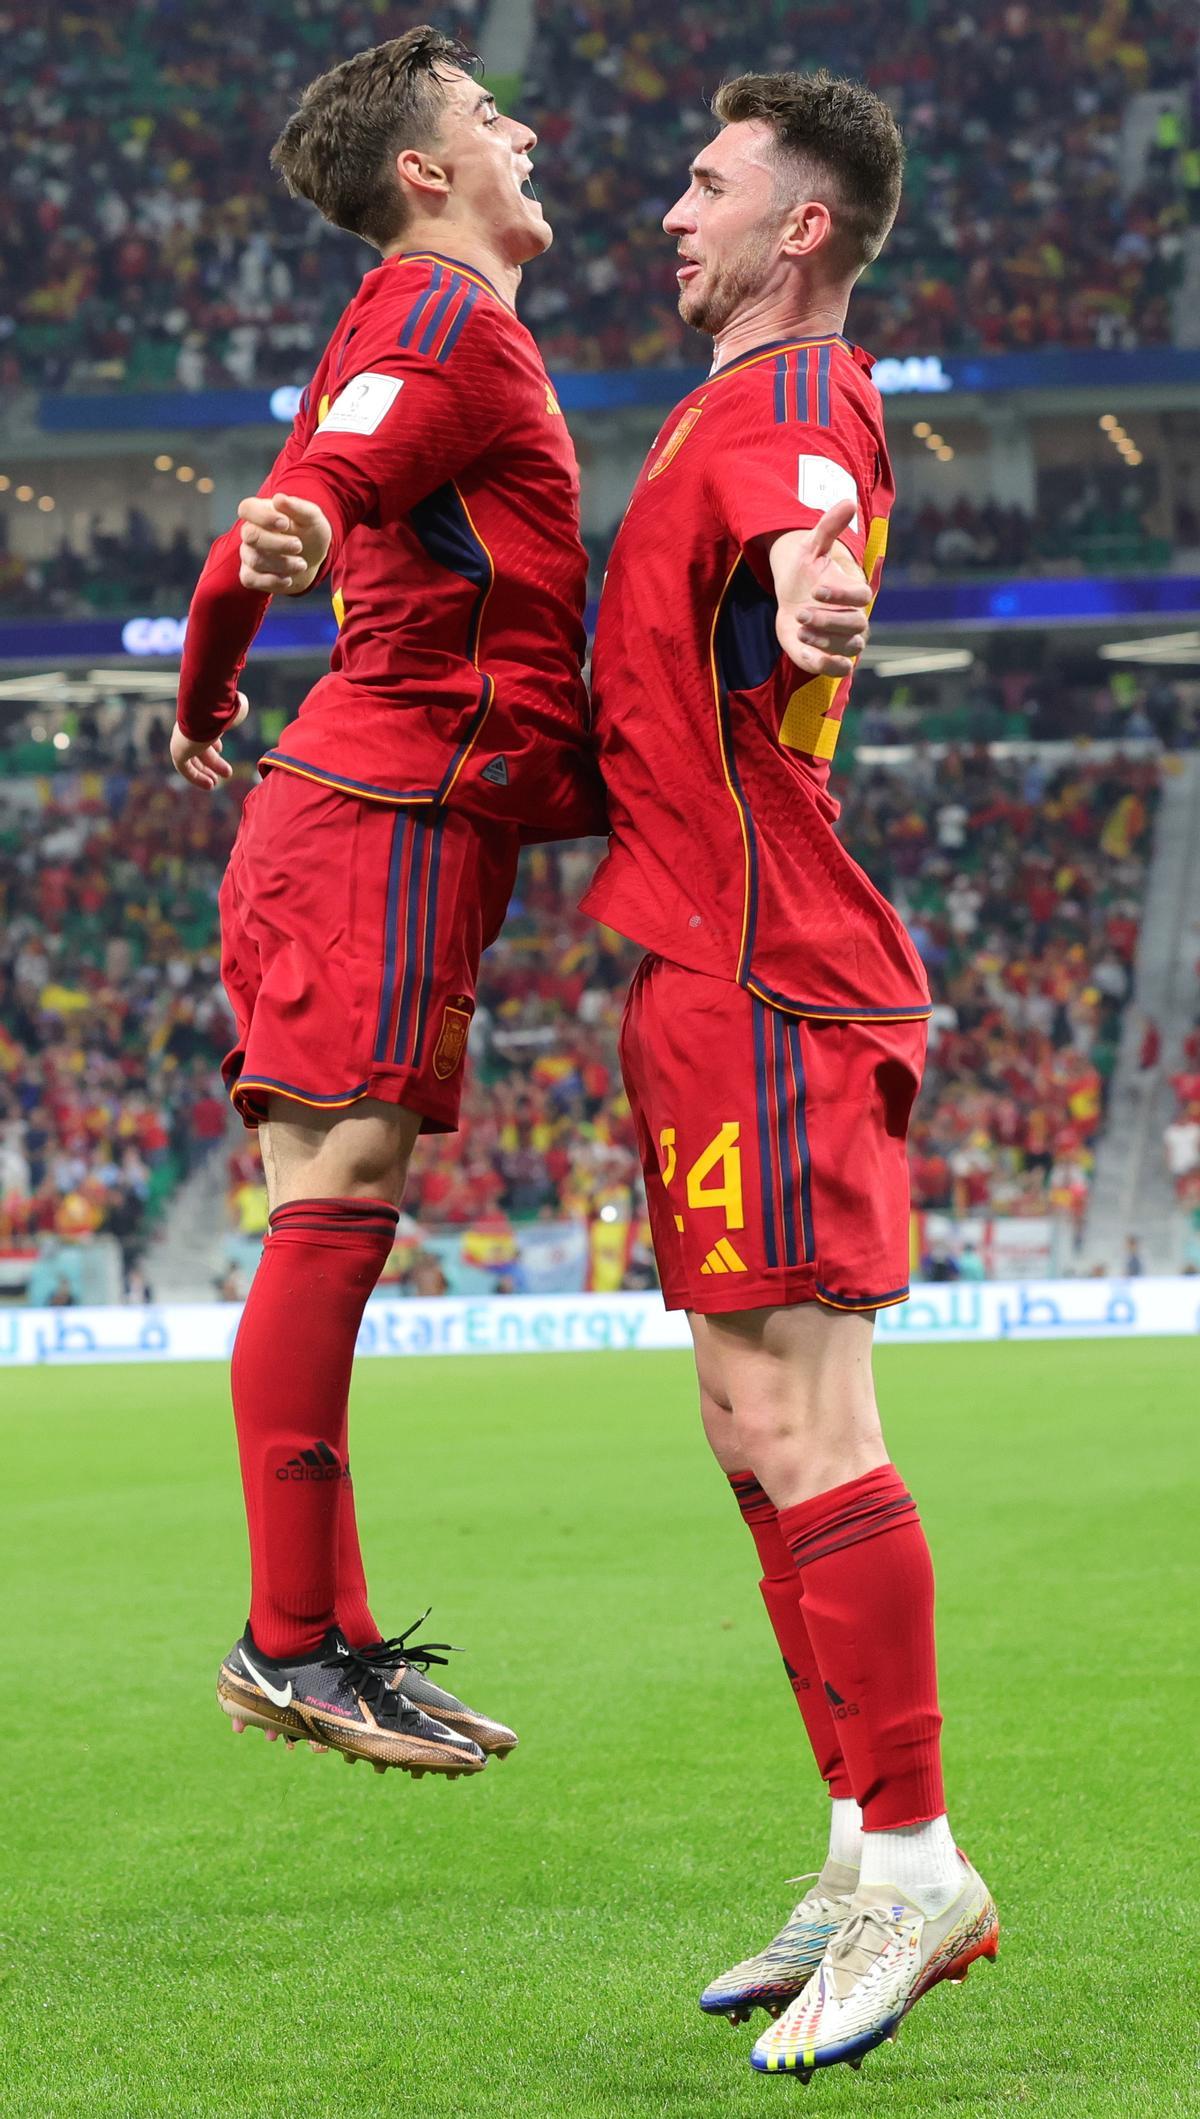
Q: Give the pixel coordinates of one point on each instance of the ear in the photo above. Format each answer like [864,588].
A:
[808,226]
[421,173]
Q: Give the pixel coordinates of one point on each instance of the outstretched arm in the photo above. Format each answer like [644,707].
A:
[823,596]
[223,618]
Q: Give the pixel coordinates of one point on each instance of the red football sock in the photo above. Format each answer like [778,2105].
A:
[351,1608]
[780,1587]
[867,1584]
[291,1385]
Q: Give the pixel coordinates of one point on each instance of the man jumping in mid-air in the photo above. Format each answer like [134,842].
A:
[430,478]
[774,1037]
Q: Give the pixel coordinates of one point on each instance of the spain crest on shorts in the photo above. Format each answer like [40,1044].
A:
[452,1037]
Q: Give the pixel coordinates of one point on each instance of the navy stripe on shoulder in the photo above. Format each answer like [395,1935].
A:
[409,326]
[425,343]
[468,303]
[823,359]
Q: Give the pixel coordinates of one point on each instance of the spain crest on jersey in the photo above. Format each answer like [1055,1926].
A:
[675,440]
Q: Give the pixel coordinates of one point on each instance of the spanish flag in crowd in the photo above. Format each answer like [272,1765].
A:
[1124,828]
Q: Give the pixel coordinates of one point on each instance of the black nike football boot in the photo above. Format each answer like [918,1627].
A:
[340,1700]
[409,1662]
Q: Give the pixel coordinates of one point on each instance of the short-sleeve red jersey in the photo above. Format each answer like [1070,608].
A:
[715,750]
[432,439]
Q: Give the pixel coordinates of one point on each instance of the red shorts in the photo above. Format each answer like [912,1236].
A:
[351,934]
[773,1146]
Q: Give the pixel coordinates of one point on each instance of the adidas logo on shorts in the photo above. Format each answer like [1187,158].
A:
[724,1259]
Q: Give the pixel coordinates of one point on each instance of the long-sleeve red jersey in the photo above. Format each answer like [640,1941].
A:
[715,750]
[432,439]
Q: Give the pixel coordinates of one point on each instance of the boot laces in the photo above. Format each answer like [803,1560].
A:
[856,1946]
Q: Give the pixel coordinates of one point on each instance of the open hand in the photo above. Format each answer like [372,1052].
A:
[201,764]
[823,596]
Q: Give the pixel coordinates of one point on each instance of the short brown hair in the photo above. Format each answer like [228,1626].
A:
[840,133]
[339,148]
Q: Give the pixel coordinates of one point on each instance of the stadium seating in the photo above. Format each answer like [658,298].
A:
[111,1014]
[1020,876]
[104,570]
[144,245]
[1022,883]
[1014,232]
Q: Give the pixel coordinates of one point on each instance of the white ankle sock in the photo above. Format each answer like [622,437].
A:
[920,1860]
[845,1832]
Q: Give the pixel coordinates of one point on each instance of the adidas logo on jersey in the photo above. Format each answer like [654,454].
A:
[724,1259]
[496,771]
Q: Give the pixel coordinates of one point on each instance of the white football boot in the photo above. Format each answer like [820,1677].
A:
[882,1959]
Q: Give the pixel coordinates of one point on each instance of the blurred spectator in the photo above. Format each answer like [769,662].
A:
[146,244]
[1021,879]
[1014,231]
[111,1012]
[1028,921]
[108,572]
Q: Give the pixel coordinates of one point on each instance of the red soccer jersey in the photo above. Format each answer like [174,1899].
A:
[715,750]
[432,439]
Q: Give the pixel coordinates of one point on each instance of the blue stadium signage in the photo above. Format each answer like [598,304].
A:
[914,374]
[1081,599]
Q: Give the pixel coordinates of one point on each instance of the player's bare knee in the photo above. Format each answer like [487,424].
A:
[361,1153]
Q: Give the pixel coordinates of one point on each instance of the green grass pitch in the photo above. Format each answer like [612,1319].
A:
[200,1924]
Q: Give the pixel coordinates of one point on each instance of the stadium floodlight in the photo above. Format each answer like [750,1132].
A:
[916,661]
[1154,647]
[163,683]
[45,685]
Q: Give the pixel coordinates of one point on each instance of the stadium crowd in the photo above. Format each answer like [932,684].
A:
[1014,231]
[130,564]
[1181,1136]
[109,568]
[111,1014]
[1021,881]
[144,245]
[1022,885]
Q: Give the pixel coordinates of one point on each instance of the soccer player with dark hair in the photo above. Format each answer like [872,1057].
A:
[774,1037]
[430,480]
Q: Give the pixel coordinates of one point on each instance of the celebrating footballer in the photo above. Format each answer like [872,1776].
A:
[430,482]
[774,1037]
